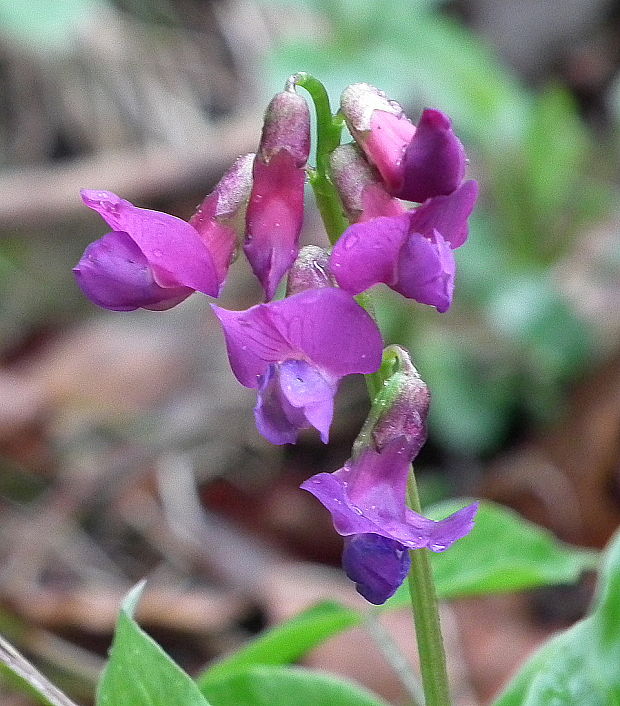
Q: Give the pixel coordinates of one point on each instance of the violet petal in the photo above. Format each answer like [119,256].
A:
[426,271]
[172,247]
[447,214]
[434,161]
[376,564]
[325,326]
[294,395]
[366,253]
[114,273]
[367,495]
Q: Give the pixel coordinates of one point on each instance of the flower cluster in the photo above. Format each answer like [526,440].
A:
[295,351]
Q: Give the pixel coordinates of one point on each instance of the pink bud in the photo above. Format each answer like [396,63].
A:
[361,189]
[220,218]
[276,207]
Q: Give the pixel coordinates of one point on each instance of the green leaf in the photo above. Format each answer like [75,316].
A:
[503,552]
[139,672]
[287,642]
[283,686]
[580,667]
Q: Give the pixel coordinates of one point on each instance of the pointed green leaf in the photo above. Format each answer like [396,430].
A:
[283,686]
[139,672]
[287,642]
[580,667]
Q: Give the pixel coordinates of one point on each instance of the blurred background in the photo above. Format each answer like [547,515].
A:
[128,450]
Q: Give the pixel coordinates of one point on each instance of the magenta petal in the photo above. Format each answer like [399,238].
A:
[368,496]
[253,342]
[294,395]
[114,274]
[434,161]
[366,253]
[274,219]
[447,214]
[426,270]
[376,564]
[172,247]
[325,327]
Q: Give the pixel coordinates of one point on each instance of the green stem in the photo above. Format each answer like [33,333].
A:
[421,585]
[328,130]
[426,617]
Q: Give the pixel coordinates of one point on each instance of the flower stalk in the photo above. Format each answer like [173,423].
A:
[420,578]
[328,132]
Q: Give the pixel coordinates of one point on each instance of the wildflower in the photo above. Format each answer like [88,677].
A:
[310,271]
[411,252]
[415,162]
[153,260]
[294,352]
[276,207]
[367,497]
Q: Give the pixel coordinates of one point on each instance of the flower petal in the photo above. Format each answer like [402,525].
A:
[114,273]
[274,219]
[434,161]
[325,327]
[376,564]
[367,253]
[447,214]
[172,247]
[426,271]
[294,395]
[367,496]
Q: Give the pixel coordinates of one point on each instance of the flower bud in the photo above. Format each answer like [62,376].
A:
[276,207]
[400,409]
[415,162]
[220,218]
[359,184]
[380,127]
[286,127]
[310,271]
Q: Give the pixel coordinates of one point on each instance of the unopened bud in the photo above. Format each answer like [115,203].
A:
[360,186]
[220,218]
[286,127]
[310,271]
[400,409]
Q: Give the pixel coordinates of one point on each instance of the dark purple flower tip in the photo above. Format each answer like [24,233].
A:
[173,249]
[434,162]
[367,496]
[114,273]
[426,270]
[274,219]
[446,214]
[294,395]
[376,564]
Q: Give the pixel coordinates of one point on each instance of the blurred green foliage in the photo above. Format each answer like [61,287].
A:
[505,353]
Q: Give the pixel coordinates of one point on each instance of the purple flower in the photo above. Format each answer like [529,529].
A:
[411,252]
[366,499]
[416,163]
[150,259]
[276,207]
[294,352]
